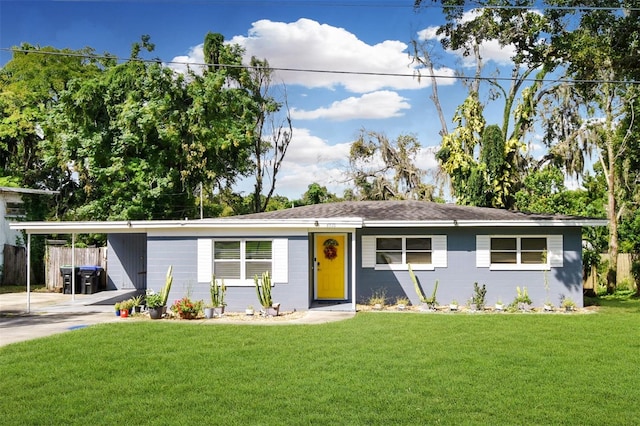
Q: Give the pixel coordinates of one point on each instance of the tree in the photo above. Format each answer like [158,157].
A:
[384,170]
[317,194]
[509,26]
[30,84]
[142,139]
[492,179]
[599,64]
[269,145]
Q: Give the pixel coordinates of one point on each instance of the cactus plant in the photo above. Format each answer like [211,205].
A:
[263,290]
[430,301]
[164,293]
[217,292]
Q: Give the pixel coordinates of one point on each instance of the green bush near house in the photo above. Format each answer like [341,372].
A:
[392,368]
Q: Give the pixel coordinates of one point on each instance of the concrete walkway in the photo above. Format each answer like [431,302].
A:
[53,313]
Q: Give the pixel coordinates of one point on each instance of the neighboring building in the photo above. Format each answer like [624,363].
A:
[341,253]
[12,209]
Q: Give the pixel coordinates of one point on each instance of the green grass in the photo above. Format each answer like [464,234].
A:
[378,368]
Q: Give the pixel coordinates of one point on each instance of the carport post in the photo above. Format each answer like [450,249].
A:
[73,267]
[28,272]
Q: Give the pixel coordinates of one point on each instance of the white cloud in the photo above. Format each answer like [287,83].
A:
[307,149]
[311,159]
[318,48]
[194,56]
[307,44]
[375,105]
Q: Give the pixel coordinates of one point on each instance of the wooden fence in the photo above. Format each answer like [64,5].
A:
[56,257]
[14,267]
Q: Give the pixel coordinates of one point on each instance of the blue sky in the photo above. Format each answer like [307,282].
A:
[328,110]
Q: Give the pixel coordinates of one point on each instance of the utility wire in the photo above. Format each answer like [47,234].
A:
[416,74]
[364,3]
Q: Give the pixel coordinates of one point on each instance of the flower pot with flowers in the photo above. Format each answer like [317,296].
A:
[186,308]
[154,304]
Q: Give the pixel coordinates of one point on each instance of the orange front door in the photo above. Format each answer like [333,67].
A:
[330,257]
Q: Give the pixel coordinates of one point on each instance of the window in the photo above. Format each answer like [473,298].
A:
[15,210]
[403,250]
[519,252]
[242,260]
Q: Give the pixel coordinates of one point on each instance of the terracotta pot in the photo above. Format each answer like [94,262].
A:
[124,313]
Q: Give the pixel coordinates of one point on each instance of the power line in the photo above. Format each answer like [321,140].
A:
[363,4]
[416,74]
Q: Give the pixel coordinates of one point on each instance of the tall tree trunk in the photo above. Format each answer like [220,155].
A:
[613,219]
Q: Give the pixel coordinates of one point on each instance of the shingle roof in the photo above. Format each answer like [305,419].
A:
[403,211]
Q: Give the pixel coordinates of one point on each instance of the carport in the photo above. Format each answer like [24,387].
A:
[73,229]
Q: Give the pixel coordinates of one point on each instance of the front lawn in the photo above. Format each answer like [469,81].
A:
[378,368]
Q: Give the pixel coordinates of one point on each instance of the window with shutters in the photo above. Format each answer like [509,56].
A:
[242,259]
[403,250]
[519,251]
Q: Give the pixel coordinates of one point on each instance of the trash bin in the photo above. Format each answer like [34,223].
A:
[67,273]
[90,278]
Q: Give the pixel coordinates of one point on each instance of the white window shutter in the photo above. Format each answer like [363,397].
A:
[483,248]
[439,246]
[205,260]
[555,251]
[280,253]
[368,251]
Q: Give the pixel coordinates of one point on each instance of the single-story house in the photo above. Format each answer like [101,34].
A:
[342,253]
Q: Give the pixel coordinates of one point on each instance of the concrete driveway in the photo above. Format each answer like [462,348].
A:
[53,313]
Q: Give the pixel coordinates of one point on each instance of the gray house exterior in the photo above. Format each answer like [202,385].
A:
[340,254]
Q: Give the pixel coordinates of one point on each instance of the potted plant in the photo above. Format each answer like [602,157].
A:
[453,306]
[568,304]
[263,290]
[217,291]
[117,308]
[479,295]
[522,301]
[186,308]
[209,311]
[499,305]
[157,302]
[548,306]
[137,303]
[125,307]
[249,311]
[154,304]
[378,300]
[402,303]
